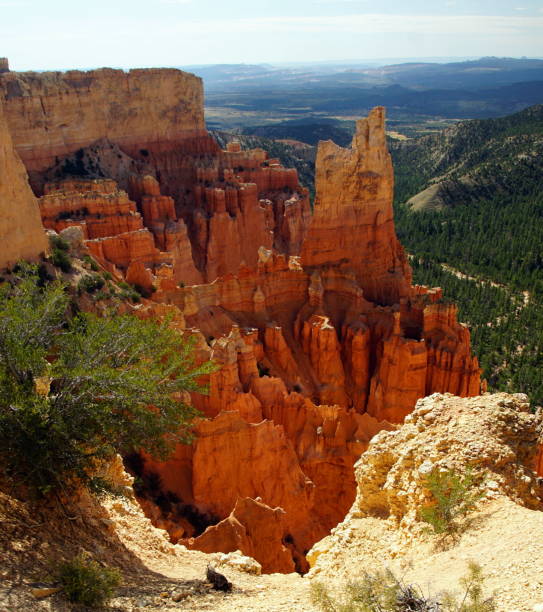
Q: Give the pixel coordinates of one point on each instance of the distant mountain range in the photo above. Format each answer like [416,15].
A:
[242,95]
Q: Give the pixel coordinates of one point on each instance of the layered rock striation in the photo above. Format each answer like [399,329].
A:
[53,114]
[21,232]
[353,225]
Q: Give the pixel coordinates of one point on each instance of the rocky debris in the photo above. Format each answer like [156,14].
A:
[238,561]
[21,231]
[258,531]
[494,434]
[75,239]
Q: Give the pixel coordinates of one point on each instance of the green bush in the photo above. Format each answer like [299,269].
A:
[454,496]
[144,292]
[472,599]
[75,391]
[383,592]
[90,283]
[59,253]
[89,261]
[88,583]
[61,259]
[59,243]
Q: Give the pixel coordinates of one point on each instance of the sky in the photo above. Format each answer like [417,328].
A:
[63,34]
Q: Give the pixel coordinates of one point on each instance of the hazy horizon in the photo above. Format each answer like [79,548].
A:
[61,34]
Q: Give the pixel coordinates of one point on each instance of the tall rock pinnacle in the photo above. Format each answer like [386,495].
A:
[353,226]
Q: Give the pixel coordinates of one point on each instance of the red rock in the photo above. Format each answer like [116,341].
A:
[327,312]
[248,457]
[253,528]
[147,112]
[352,225]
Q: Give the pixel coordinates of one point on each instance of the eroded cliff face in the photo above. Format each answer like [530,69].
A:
[21,232]
[319,337]
[53,114]
[307,357]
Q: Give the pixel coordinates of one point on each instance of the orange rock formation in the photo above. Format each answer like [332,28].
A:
[327,357]
[21,232]
[320,339]
[353,224]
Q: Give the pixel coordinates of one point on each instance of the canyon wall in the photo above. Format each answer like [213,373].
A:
[53,114]
[320,339]
[141,125]
[21,232]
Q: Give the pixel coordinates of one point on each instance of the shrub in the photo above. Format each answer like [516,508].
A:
[90,283]
[383,592]
[89,261]
[61,259]
[262,370]
[84,581]
[59,253]
[129,293]
[380,592]
[144,292]
[74,392]
[473,599]
[101,295]
[57,242]
[454,496]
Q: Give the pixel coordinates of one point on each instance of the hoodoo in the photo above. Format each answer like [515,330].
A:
[319,338]
[353,226]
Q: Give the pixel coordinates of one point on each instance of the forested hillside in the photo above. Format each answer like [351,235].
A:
[471,160]
[484,244]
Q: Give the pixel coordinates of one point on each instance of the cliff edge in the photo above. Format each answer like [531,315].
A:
[496,436]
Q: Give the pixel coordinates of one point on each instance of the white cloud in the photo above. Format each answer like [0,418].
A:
[372,24]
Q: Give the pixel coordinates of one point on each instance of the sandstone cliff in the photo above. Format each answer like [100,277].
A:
[53,114]
[495,435]
[21,232]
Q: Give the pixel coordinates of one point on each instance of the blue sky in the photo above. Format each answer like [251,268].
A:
[61,34]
